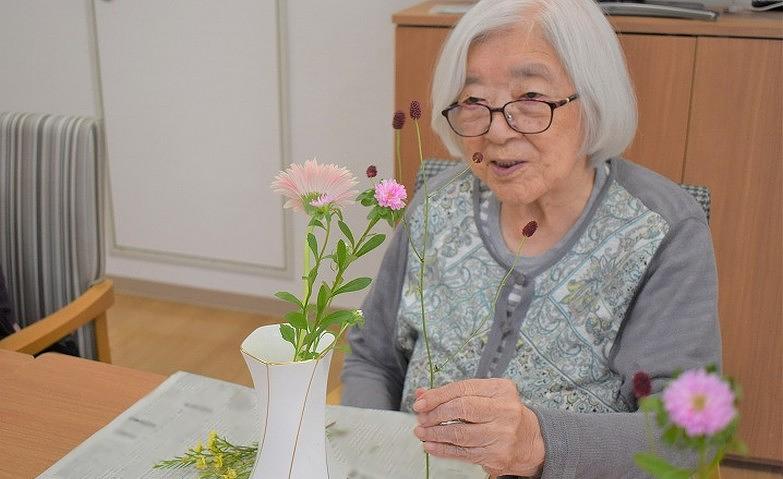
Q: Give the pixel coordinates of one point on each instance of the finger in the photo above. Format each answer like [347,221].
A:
[470,409]
[470,387]
[467,454]
[464,435]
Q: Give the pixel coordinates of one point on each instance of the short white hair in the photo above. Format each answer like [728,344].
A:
[588,49]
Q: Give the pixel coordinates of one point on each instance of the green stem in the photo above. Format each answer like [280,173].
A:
[364,235]
[300,335]
[452,180]
[399,156]
[410,240]
[418,141]
[422,263]
[476,332]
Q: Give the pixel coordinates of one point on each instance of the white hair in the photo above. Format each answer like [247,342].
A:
[588,49]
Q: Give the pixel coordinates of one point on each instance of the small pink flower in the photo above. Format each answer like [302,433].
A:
[313,182]
[372,171]
[699,402]
[391,194]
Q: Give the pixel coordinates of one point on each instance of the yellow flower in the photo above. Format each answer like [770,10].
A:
[211,441]
[218,461]
[201,462]
[197,449]
[230,474]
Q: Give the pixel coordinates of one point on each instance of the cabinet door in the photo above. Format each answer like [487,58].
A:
[417,51]
[661,68]
[735,148]
[190,103]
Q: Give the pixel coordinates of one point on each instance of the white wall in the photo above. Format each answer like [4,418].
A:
[340,61]
[45,57]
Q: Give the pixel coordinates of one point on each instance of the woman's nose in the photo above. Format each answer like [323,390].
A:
[500,129]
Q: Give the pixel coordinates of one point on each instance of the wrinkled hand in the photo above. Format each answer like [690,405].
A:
[496,431]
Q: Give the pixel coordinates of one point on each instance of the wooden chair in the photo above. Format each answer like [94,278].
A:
[51,232]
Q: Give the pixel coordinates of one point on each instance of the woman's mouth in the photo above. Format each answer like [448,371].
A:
[506,167]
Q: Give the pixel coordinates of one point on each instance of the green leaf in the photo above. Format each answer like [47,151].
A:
[346,231]
[368,201]
[368,193]
[286,296]
[323,296]
[287,332]
[658,467]
[316,222]
[672,434]
[342,254]
[296,319]
[338,317]
[353,285]
[311,276]
[313,243]
[371,244]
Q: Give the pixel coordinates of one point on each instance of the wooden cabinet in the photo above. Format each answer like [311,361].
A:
[710,113]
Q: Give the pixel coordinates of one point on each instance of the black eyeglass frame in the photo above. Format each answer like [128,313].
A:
[502,109]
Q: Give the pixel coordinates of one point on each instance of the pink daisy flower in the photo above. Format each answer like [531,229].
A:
[314,184]
[700,403]
[391,194]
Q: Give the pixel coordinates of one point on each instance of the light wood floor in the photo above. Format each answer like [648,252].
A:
[165,337]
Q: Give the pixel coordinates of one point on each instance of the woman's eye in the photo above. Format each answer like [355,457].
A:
[532,94]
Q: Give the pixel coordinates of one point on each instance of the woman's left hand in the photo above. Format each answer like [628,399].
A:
[496,431]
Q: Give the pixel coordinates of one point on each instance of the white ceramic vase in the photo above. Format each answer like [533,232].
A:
[291,406]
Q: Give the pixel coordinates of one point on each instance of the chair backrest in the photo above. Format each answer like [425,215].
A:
[432,167]
[51,220]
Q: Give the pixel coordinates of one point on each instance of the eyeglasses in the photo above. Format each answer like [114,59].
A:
[528,116]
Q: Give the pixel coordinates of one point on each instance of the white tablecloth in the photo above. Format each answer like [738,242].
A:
[362,443]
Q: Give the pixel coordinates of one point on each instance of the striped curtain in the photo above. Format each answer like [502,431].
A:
[51,222]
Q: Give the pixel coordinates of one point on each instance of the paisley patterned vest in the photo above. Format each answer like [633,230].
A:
[568,318]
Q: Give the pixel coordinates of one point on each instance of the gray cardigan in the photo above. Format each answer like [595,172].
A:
[670,324]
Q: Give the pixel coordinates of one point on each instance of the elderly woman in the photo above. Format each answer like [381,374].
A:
[619,278]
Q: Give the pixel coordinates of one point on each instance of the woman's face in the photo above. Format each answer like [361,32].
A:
[519,168]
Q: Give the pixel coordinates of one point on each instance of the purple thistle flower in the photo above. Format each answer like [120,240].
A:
[391,194]
[399,120]
[478,157]
[699,402]
[641,385]
[530,229]
[372,171]
[415,110]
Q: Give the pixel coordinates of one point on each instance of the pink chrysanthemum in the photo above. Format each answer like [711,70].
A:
[700,403]
[314,184]
[391,194]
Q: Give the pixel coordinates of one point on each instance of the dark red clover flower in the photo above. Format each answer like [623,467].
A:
[641,384]
[372,171]
[478,157]
[415,110]
[399,120]
[529,229]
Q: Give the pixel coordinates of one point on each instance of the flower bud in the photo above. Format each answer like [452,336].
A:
[478,157]
[415,110]
[399,120]
[372,171]
[641,385]
[529,229]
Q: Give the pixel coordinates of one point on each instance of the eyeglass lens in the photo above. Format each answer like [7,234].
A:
[524,116]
